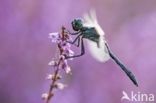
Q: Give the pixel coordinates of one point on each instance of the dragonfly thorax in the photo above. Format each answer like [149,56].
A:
[91,34]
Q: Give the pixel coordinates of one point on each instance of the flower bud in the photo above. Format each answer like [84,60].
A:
[60,86]
[54,37]
[45,96]
[68,70]
[52,63]
[50,77]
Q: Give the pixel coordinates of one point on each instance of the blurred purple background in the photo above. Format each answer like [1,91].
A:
[25,50]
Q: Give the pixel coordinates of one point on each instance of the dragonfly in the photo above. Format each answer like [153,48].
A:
[89,29]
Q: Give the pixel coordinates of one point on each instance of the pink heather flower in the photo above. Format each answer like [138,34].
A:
[62,57]
[68,70]
[44,96]
[50,77]
[54,37]
[63,64]
[65,45]
[60,86]
[67,51]
[52,63]
[70,52]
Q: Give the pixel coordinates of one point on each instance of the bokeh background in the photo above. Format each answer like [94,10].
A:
[25,50]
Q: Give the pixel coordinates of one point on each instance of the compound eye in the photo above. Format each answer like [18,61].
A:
[74,25]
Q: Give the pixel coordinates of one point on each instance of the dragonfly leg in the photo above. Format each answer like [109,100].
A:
[78,42]
[73,33]
[82,51]
[77,38]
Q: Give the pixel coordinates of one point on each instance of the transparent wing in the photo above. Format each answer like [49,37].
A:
[99,53]
[91,21]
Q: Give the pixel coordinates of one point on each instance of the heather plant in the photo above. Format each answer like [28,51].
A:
[59,63]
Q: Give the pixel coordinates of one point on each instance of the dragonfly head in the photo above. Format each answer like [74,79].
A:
[77,24]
